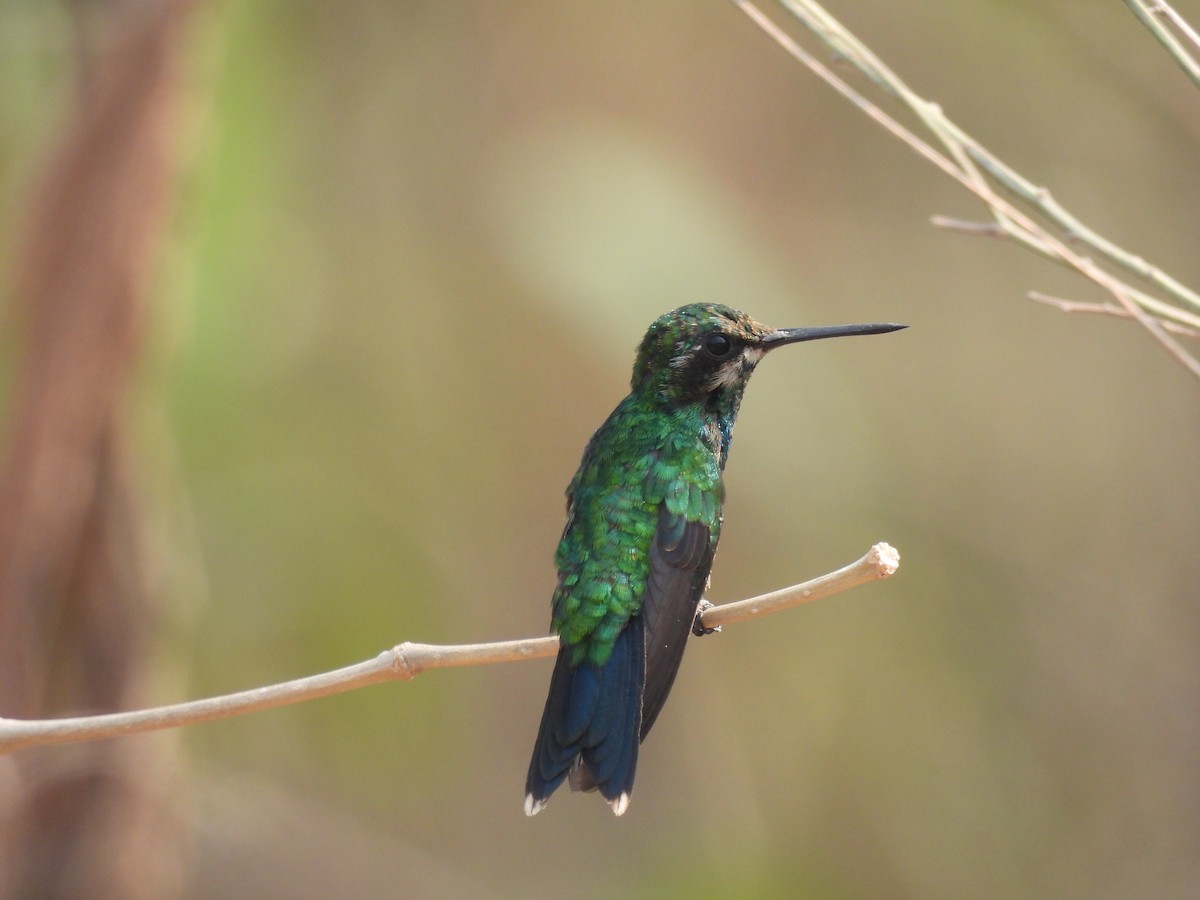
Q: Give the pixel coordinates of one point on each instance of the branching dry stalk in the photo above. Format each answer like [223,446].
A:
[1018,213]
[1159,18]
[1103,309]
[403,663]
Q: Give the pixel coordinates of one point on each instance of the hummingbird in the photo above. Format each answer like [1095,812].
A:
[644,514]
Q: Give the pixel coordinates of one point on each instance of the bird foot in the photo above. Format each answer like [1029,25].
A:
[698,628]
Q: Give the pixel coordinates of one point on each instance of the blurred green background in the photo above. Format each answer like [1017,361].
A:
[415,247]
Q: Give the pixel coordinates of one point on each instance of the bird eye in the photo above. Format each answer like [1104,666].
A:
[718,345]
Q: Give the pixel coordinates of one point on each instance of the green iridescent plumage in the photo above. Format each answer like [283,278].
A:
[614,503]
[643,521]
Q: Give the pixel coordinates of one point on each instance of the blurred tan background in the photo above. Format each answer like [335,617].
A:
[403,254]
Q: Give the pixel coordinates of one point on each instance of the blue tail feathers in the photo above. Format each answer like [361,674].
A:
[591,724]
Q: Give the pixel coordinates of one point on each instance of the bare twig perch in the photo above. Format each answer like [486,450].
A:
[881,561]
[402,663]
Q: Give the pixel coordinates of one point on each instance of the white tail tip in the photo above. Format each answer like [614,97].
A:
[620,805]
[533,807]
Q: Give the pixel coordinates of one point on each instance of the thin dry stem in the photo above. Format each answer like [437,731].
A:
[1149,14]
[403,663]
[881,561]
[977,169]
[1104,309]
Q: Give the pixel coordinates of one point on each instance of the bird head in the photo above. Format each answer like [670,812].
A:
[706,350]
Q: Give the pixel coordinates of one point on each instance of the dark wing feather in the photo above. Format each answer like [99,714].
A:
[680,559]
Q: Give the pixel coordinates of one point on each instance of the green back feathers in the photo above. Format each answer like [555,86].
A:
[613,513]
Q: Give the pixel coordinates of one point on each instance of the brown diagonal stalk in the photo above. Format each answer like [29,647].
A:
[74,608]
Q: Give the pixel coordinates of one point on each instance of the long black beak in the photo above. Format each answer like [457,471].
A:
[795,335]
